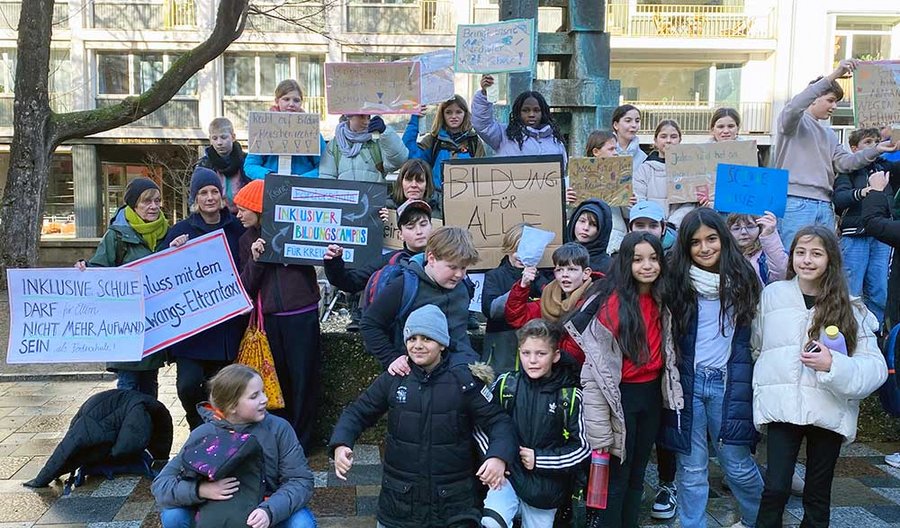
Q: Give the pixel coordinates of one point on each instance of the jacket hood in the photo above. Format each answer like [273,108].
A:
[209,415]
[417,265]
[596,247]
[633,148]
[654,156]
[225,218]
[120,224]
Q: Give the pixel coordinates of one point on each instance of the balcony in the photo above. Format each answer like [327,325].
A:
[177,113]
[756,118]
[434,17]
[236,109]
[688,21]
[287,18]
[148,15]
[9,15]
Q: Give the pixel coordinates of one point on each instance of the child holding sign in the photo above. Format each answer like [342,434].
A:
[759,242]
[288,98]
[355,155]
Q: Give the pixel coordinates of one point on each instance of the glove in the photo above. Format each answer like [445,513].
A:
[376,124]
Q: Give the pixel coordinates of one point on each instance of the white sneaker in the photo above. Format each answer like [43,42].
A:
[893,460]
[666,502]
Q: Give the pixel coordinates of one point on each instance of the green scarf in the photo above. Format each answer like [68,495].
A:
[151,232]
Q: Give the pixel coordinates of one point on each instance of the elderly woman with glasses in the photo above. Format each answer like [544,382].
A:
[758,239]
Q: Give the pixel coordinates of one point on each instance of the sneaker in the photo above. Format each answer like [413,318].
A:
[893,460]
[666,502]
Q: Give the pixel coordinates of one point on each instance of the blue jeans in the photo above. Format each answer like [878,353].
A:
[866,262]
[184,518]
[692,475]
[801,212]
[140,380]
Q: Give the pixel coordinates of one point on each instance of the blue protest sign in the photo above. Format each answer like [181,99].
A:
[751,190]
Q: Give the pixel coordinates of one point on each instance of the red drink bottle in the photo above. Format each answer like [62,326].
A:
[598,481]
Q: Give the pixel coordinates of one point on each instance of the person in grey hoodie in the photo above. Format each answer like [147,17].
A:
[810,151]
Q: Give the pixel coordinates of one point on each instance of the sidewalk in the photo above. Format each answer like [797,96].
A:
[34,416]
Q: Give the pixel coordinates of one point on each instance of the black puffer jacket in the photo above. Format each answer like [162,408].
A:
[429,457]
[848,197]
[597,247]
[548,419]
[112,427]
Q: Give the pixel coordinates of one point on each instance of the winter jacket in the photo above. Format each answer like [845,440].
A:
[810,151]
[601,375]
[288,481]
[600,260]
[111,427]
[737,415]
[230,171]
[435,150]
[549,421]
[257,166]
[280,287]
[770,263]
[634,150]
[354,280]
[362,167]
[784,390]
[848,196]
[495,135]
[121,244]
[433,423]
[219,343]
[651,183]
[876,214]
[380,319]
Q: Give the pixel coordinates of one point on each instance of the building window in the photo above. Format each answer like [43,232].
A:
[135,73]
[866,39]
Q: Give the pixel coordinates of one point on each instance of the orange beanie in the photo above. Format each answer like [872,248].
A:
[251,196]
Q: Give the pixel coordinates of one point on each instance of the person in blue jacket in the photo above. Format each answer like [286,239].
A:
[288,98]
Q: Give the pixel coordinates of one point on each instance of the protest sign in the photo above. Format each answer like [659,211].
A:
[392,238]
[876,97]
[69,316]
[507,46]
[751,190]
[691,169]
[189,289]
[608,179]
[478,280]
[283,133]
[488,196]
[373,87]
[302,216]
[532,245]
[437,76]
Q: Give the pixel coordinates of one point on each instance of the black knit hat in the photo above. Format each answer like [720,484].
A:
[201,178]
[136,188]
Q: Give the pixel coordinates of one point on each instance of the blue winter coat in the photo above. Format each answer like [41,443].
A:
[447,148]
[256,166]
[737,419]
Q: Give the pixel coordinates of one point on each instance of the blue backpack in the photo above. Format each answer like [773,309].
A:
[393,270]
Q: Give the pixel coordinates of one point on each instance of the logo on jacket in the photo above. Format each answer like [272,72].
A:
[401,394]
[552,408]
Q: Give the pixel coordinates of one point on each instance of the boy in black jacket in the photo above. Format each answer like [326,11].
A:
[545,404]
[225,156]
[436,413]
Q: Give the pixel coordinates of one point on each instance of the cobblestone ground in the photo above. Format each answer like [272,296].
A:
[35,414]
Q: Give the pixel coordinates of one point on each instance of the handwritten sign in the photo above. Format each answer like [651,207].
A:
[478,280]
[283,133]
[876,97]
[489,196]
[608,179]
[302,216]
[68,316]
[437,76]
[189,289]
[691,169]
[392,239]
[507,46]
[373,87]
[751,190]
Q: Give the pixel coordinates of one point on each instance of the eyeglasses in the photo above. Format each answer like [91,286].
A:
[748,228]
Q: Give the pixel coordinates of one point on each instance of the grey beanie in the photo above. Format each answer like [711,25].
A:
[201,178]
[428,321]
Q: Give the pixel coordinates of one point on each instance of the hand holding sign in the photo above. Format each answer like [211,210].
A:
[532,245]
[751,190]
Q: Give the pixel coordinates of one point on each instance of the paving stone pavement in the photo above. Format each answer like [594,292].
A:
[34,415]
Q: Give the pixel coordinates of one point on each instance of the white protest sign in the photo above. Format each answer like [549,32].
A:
[283,133]
[189,289]
[478,280]
[507,46]
[437,76]
[69,316]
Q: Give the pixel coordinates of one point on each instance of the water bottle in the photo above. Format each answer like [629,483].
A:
[834,340]
[598,481]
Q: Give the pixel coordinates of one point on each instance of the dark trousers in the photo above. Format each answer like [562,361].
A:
[642,404]
[191,378]
[822,450]
[294,340]
[665,460]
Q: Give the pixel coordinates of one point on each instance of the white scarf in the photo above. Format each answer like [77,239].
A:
[705,283]
[348,141]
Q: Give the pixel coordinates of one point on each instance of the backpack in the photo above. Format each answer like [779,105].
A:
[470,145]
[508,396]
[393,270]
[372,146]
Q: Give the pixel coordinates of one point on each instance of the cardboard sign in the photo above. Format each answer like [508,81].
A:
[876,97]
[437,76]
[507,46]
[373,87]
[478,280]
[691,169]
[608,179]
[392,239]
[70,316]
[189,289]
[302,216]
[283,133]
[488,196]
[751,190]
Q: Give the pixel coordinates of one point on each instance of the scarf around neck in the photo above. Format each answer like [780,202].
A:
[705,283]
[539,133]
[151,232]
[229,166]
[350,142]
[554,306]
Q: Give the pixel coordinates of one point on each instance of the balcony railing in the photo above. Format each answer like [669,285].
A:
[550,19]
[236,109]
[9,15]
[756,118]
[177,113]
[159,15]
[688,21]
[423,16]
[287,18]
